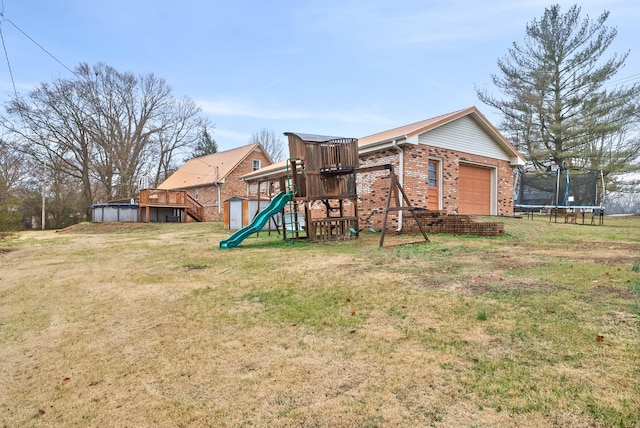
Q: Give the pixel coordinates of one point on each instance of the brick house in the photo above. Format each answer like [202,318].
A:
[457,163]
[215,178]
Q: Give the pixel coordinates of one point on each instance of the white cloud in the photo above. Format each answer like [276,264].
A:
[378,24]
[249,109]
[230,135]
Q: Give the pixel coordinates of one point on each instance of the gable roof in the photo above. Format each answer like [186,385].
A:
[210,169]
[409,133]
[315,138]
[269,172]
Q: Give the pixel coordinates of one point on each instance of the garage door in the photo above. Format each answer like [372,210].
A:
[474,190]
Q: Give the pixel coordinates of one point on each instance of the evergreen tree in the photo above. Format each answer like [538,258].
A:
[205,145]
[559,101]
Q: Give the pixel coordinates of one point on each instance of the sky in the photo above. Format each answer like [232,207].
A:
[347,68]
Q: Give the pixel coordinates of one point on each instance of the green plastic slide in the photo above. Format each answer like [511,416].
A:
[275,206]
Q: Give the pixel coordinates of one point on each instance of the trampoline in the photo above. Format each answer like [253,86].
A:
[561,193]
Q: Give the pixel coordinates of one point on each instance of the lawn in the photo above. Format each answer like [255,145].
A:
[153,325]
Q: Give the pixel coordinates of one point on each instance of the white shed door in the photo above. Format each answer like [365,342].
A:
[235,215]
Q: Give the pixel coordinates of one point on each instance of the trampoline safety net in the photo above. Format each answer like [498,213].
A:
[540,189]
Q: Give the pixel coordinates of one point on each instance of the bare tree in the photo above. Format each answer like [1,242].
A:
[272,144]
[13,167]
[51,125]
[126,113]
[104,128]
[12,172]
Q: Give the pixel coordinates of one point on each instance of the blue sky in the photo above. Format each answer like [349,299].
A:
[336,67]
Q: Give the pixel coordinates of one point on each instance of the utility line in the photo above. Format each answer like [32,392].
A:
[6,55]
[39,45]
[634,78]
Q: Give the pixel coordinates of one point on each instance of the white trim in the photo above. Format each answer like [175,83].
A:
[376,147]
[219,204]
[401,180]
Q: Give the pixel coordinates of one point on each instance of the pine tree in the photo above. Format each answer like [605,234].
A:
[205,145]
[559,101]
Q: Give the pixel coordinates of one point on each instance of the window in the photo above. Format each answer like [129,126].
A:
[256,164]
[195,194]
[433,174]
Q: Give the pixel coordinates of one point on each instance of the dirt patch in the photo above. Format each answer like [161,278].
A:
[108,227]
[604,291]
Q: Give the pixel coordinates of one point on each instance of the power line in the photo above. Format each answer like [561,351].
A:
[634,78]
[38,45]
[6,55]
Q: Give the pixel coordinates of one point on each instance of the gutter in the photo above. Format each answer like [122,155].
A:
[393,144]
[218,185]
[377,147]
[219,202]
[400,178]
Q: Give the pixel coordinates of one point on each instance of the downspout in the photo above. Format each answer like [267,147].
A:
[218,186]
[400,180]
[219,202]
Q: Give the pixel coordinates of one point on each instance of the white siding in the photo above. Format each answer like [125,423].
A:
[464,135]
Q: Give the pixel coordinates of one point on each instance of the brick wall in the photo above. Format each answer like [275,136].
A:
[373,187]
[433,222]
[233,186]
[451,171]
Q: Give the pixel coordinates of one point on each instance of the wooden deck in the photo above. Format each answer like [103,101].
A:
[172,199]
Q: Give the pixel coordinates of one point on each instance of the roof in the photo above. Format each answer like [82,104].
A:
[315,138]
[268,172]
[411,131]
[403,134]
[210,169]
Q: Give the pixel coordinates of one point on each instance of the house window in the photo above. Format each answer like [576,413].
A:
[195,194]
[256,164]
[433,174]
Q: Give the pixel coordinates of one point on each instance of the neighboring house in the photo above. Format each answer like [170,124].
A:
[458,163]
[215,178]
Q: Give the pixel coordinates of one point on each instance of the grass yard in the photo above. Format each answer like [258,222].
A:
[152,325]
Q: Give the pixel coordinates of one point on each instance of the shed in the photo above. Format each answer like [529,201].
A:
[240,212]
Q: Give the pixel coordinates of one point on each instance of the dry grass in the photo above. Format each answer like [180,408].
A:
[153,325]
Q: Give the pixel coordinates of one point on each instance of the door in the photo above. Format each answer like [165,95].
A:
[433,184]
[235,214]
[474,190]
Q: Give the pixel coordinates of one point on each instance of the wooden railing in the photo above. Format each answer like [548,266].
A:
[172,198]
[194,209]
[162,197]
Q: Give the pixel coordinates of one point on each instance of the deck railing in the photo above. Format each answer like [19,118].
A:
[162,197]
[194,209]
